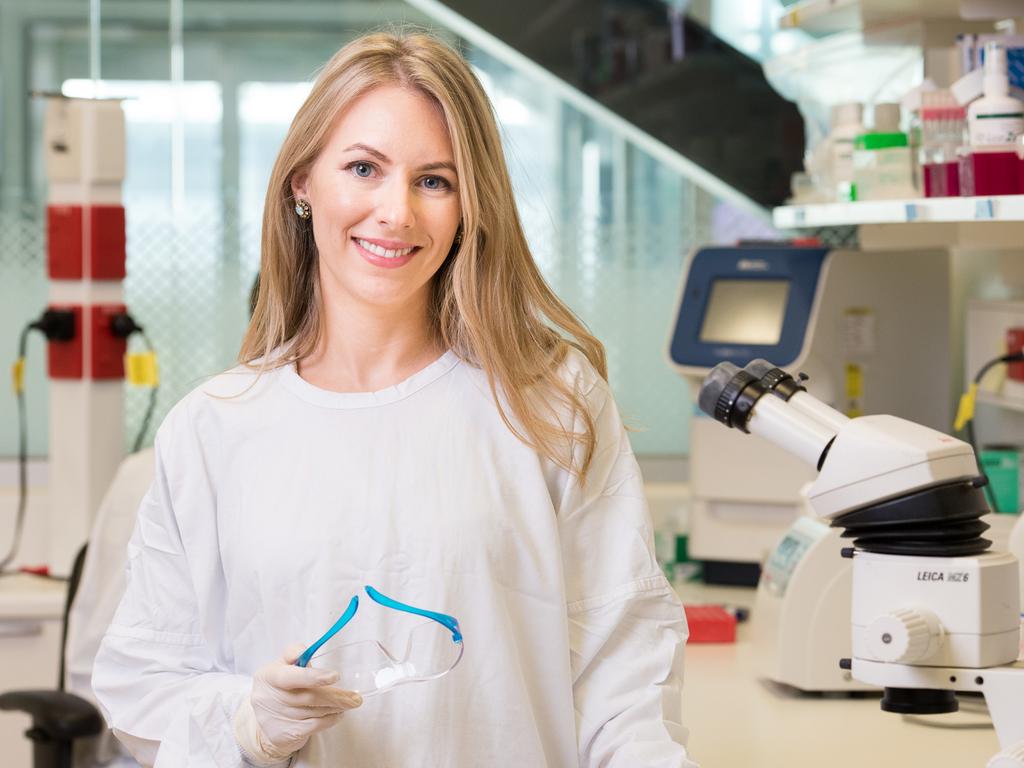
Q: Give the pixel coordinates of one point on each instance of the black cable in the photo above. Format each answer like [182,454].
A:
[123,325]
[1014,357]
[56,325]
[144,427]
[19,520]
[990,494]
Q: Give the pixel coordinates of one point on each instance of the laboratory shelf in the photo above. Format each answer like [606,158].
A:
[924,210]
[822,16]
[1003,401]
[827,16]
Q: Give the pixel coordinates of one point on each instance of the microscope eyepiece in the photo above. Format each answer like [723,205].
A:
[736,398]
[729,394]
[713,385]
[774,379]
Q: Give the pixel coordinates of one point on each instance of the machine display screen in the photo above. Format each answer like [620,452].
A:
[778,570]
[745,312]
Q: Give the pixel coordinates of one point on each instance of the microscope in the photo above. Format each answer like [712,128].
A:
[933,611]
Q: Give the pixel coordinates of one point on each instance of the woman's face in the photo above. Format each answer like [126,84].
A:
[385,202]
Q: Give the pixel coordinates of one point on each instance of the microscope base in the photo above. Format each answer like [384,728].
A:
[1002,687]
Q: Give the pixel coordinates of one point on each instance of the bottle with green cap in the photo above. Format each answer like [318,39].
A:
[883,167]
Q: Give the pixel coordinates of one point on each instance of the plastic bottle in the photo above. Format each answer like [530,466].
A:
[847,125]
[997,117]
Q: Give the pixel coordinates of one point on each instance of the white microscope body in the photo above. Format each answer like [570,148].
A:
[1016,546]
[933,611]
[801,614]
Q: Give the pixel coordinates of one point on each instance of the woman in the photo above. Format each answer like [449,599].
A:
[416,411]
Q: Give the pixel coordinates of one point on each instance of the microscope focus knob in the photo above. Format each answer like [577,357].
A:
[1012,757]
[905,636]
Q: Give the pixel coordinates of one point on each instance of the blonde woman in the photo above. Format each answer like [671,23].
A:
[416,411]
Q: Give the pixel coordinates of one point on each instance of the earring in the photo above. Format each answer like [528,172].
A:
[302,209]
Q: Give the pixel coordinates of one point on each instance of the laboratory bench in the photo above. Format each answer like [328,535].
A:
[738,721]
[735,719]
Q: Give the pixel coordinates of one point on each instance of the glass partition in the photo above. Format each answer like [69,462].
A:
[611,227]
[610,222]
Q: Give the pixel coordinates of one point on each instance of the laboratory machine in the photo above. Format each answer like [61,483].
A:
[800,622]
[934,610]
[853,322]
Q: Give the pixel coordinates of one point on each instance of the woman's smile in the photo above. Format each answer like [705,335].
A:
[388,254]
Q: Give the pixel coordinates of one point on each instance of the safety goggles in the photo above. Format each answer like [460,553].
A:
[425,650]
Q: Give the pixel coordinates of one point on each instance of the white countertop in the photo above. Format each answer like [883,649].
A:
[738,721]
[30,597]
[735,720]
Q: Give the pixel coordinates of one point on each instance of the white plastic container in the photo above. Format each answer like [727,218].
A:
[883,167]
[997,117]
[837,174]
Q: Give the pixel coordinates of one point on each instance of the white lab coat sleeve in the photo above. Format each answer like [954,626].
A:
[99,592]
[627,629]
[161,676]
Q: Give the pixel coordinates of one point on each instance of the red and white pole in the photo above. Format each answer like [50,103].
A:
[84,142]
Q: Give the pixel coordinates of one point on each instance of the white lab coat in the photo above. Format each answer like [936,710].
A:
[100,589]
[271,509]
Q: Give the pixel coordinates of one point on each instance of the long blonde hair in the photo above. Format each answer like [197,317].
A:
[490,303]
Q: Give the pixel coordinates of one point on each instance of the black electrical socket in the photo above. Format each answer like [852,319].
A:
[57,324]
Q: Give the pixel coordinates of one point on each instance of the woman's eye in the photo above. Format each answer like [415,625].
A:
[365,170]
[435,183]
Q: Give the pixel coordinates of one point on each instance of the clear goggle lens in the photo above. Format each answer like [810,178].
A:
[426,651]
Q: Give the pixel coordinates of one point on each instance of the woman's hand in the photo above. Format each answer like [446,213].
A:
[287,705]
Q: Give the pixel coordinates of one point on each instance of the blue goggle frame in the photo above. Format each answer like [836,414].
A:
[449,622]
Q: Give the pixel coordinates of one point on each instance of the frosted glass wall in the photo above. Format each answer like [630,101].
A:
[610,226]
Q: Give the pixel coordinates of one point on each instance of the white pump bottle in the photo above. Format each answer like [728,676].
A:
[995,118]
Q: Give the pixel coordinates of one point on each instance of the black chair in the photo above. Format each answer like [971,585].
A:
[58,717]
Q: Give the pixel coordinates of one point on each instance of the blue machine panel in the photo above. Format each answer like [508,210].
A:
[717,281]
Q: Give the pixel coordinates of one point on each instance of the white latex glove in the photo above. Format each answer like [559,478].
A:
[287,705]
